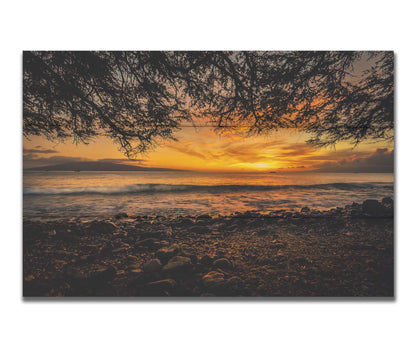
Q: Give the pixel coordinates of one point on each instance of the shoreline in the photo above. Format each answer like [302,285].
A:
[340,252]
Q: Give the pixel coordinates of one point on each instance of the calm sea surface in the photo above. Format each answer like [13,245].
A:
[61,194]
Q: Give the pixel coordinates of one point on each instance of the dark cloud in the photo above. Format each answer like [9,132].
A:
[39,150]
[381,160]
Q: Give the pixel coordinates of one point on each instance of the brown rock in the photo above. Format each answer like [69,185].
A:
[164,254]
[161,287]
[213,279]
[153,265]
[102,226]
[178,264]
[222,263]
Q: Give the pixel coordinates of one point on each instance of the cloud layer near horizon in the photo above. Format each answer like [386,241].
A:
[33,158]
[291,157]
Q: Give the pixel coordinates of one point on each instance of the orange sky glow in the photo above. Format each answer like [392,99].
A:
[202,149]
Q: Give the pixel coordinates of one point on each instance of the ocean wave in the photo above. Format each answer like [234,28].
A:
[173,188]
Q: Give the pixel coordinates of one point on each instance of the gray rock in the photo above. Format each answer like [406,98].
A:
[305,209]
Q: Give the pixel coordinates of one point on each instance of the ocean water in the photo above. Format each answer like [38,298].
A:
[173,193]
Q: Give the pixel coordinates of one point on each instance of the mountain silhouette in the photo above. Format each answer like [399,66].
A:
[96,166]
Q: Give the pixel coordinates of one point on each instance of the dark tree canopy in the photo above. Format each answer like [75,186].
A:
[137,98]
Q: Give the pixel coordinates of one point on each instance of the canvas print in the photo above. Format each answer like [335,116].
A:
[208,174]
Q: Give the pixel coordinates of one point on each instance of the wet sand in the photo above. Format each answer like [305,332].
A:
[341,252]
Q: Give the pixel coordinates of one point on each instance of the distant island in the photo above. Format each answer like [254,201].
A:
[96,166]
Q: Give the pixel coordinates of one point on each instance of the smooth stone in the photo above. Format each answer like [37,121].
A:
[185,222]
[178,264]
[153,265]
[204,216]
[162,286]
[199,229]
[102,226]
[94,279]
[387,201]
[234,284]
[121,215]
[213,279]
[373,207]
[206,260]
[277,245]
[150,242]
[164,254]
[222,263]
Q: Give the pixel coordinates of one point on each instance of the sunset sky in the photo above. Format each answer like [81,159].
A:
[202,149]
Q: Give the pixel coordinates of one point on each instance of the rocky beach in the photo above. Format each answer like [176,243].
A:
[339,252]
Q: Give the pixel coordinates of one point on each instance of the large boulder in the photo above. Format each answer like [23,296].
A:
[374,208]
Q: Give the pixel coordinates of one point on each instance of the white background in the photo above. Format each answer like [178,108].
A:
[269,25]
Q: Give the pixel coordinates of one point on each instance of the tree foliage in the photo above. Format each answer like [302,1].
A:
[137,98]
